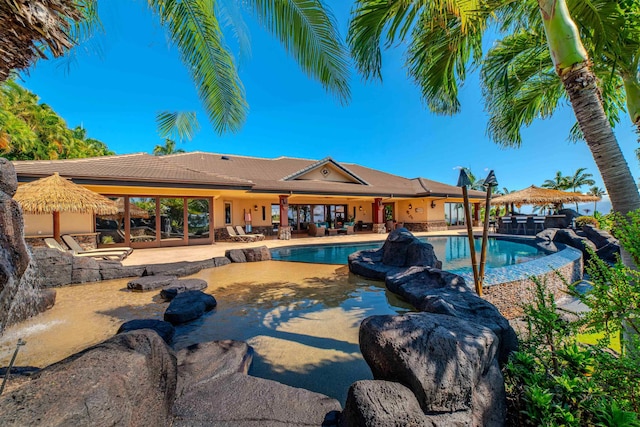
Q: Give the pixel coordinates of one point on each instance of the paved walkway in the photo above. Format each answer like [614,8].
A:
[198,253]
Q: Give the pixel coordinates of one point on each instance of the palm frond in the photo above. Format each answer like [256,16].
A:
[177,124]
[230,14]
[195,31]
[308,31]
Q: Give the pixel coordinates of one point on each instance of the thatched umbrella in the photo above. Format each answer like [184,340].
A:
[542,196]
[27,25]
[55,194]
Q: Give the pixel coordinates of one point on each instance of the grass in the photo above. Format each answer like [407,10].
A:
[586,338]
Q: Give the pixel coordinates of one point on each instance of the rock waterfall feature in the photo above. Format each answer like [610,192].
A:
[19,291]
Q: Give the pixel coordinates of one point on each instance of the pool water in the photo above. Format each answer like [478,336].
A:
[453,251]
[302,321]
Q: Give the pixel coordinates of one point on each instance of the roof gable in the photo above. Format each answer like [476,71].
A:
[326,170]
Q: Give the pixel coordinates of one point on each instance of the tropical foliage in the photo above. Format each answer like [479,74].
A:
[598,192]
[518,74]
[30,130]
[444,39]
[169,147]
[556,380]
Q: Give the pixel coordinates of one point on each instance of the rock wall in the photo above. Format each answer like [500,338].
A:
[437,367]
[14,254]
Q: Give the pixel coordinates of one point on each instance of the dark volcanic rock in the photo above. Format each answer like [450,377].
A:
[608,247]
[261,253]
[208,361]
[442,359]
[570,238]
[179,269]
[149,283]
[110,270]
[129,380]
[381,404]
[84,270]
[182,285]
[54,266]
[162,328]
[189,306]
[241,400]
[219,261]
[8,177]
[235,255]
[400,250]
[440,292]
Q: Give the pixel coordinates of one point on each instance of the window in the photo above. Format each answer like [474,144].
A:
[227,213]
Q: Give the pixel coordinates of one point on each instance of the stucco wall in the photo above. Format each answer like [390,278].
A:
[42,225]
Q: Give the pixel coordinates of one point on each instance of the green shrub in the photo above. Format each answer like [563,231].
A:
[605,221]
[555,381]
[587,220]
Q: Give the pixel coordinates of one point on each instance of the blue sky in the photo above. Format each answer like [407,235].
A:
[115,95]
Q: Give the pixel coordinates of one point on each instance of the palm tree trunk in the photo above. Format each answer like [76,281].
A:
[572,65]
[580,83]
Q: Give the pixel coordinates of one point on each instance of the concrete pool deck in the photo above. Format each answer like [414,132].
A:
[198,253]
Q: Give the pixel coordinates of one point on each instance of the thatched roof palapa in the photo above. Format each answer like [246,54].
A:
[541,196]
[27,25]
[57,194]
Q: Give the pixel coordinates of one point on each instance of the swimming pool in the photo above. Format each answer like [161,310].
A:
[453,251]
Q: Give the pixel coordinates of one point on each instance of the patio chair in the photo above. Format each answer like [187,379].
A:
[237,238]
[53,244]
[347,228]
[240,230]
[317,229]
[75,247]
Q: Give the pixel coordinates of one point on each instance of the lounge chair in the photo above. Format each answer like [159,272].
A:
[75,247]
[240,230]
[237,238]
[53,244]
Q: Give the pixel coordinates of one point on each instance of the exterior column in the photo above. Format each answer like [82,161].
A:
[284,231]
[476,214]
[377,212]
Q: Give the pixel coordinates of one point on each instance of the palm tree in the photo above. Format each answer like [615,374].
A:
[559,182]
[579,179]
[444,36]
[306,29]
[169,147]
[598,192]
[518,74]
[477,184]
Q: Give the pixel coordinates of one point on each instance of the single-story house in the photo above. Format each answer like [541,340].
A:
[190,198]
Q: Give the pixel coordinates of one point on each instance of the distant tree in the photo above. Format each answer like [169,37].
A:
[598,192]
[559,182]
[477,184]
[30,130]
[169,147]
[578,179]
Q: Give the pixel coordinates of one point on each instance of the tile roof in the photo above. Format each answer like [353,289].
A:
[139,168]
[213,170]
